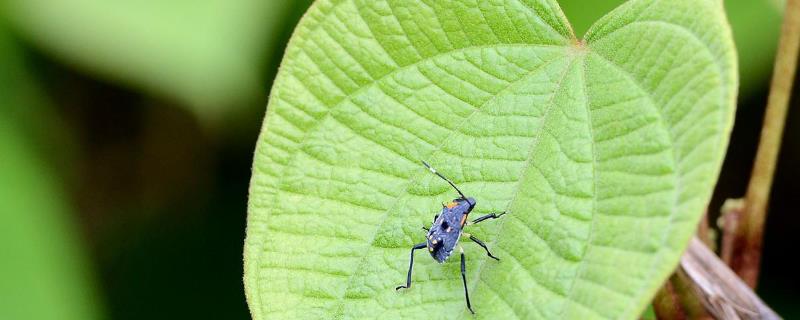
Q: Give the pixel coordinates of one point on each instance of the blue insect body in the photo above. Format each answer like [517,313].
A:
[446,230]
[447,227]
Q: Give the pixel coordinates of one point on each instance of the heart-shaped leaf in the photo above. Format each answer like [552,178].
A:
[603,150]
[755,25]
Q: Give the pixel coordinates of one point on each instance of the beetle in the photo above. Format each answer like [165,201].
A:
[445,231]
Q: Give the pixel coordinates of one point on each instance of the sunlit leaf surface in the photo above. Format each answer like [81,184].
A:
[603,150]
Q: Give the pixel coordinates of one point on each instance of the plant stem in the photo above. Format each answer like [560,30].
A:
[677,299]
[666,303]
[744,253]
[704,232]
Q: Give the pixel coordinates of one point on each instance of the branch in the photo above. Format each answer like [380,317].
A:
[744,252]
[717,287]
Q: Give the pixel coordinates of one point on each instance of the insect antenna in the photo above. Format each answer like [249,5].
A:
[444,178]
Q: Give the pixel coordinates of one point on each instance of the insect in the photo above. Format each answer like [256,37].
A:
[447,229]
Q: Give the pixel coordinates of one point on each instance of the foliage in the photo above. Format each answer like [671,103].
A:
[604,150]
[755,27]
[209,55]
[43,274]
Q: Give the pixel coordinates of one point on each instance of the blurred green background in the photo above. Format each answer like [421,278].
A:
[126,137]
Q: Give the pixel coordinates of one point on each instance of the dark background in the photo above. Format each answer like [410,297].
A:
[147,181]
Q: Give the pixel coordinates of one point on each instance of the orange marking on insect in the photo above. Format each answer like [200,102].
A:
[463,219]
[451,205]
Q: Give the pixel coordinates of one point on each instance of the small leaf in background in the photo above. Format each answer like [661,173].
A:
[605,151]
[44,273]
[210,55]
[756,25]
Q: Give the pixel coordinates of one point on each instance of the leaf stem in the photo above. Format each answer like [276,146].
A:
[704,231]
[666,303]
[744,253]
[677,299]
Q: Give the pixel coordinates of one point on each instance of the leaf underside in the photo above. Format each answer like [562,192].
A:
[604,151]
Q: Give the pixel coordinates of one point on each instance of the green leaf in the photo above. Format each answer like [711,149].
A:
[755,25]
[43,274]
[603,150]
[208,54]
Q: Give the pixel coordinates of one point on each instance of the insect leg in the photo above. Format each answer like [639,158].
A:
[480,243]
[488,216]
[411,265]
[464,277]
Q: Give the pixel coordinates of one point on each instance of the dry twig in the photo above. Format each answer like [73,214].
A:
[721,292]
